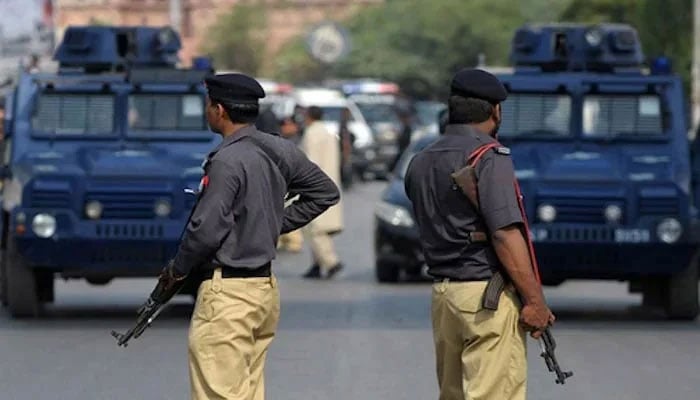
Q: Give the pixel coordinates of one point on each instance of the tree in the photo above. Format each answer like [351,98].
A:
[421,44]
[237,38]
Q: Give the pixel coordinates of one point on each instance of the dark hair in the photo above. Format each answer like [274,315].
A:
[468,110]
[239,113]
[316,113]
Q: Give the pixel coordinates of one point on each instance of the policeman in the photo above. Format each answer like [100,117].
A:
[231,239]
[480,353]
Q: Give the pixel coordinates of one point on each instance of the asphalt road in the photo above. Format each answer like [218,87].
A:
[345,339]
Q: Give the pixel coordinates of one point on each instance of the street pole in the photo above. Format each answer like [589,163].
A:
[176,15]
[696,68]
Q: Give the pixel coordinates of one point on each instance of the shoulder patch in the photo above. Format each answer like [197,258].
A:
[502,150]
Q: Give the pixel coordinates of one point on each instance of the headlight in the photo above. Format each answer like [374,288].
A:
[394,215]
[93,209]
[44,225]
[669,230]
[613,213]
[162,208]
[546,213]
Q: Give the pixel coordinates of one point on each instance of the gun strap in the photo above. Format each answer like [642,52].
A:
[496,285]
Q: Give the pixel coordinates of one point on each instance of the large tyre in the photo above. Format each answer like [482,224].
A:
[22,293]
[682,294]
[3,280]
[387,272]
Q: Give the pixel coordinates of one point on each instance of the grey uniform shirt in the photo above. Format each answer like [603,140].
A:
[240,213]
[443,213]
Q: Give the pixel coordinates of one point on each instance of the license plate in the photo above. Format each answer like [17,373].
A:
[632,236]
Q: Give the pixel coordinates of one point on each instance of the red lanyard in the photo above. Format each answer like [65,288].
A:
[473,159]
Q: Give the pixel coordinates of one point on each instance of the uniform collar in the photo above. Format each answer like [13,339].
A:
[466,130]
[231,139]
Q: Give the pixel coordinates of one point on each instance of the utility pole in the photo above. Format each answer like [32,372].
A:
[696,68]
[176,15]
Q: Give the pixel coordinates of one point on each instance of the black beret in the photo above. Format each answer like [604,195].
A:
[479,84]
[235,88]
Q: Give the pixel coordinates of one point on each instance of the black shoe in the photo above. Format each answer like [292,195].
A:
[313,273]
[334,271]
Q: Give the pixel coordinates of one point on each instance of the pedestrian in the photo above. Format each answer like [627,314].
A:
[321,146]
[292,241]
[480,352]
[347,140]
[230,241]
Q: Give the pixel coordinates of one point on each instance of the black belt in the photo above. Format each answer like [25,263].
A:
[263,271]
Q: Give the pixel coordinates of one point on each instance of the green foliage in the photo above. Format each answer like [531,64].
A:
[420,44]
[237,38]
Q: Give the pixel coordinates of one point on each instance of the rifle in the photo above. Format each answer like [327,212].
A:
[157,300]
[547,346]
[465,180]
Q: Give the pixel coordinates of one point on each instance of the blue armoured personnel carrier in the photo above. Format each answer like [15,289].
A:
[97,157]
[600,146]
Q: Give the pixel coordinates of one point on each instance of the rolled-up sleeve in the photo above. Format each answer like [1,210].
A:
[316,191]
[497,197]
[212,219]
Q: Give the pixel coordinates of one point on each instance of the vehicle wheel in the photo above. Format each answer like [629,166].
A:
[3,280]
[45,285]
[387,272]
[22,296]
[682,294]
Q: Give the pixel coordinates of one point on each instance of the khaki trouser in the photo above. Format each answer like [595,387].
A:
[322,248]
[292,241]
[480,354]
[233,324]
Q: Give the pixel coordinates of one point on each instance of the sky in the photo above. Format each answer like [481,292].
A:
[17,17]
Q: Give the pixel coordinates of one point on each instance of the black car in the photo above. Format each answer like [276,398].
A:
[396,239]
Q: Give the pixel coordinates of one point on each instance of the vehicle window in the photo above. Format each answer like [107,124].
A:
[166,112]
[74,114]
[629,115]
[378,112]
[334,113]
[535,114]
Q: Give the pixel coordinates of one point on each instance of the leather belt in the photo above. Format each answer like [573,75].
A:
[263,271]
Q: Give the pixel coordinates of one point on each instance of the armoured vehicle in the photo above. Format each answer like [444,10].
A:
[599,140]
[97,157]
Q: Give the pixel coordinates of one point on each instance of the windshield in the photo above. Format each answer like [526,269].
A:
[374,113]
[334,114]
[167,112]
[74,114]
[621,115]
[535,114]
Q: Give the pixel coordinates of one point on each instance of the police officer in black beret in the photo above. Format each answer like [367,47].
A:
[231,239]
[480,350]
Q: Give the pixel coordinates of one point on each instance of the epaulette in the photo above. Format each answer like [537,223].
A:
[502,150]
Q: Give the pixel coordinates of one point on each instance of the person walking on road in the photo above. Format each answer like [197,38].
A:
[230,241]
[480,351]
[321,146]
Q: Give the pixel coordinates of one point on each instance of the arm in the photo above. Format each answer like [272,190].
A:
[212,219]
[511,249]
[316,191]
[501,211]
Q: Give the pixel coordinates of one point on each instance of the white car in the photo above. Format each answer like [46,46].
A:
[332,102]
